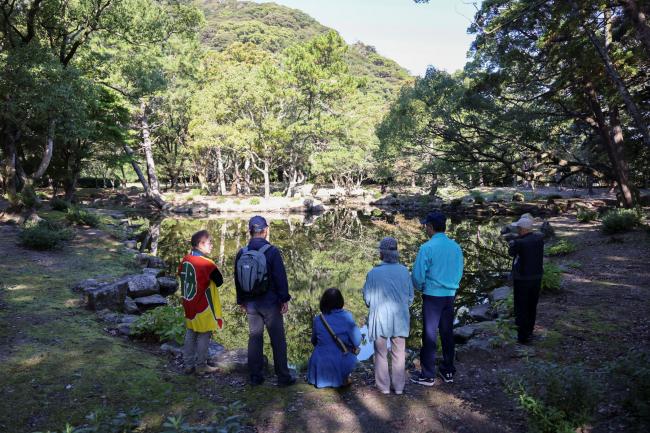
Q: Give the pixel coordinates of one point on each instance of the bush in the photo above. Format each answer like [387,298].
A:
[586,215]
[620,220]
[561,248]
[82,217]
[255,201]
[633,371]
[558,399]
[43,236]
[277,194]
[165,323]
[59,204]
[552,278]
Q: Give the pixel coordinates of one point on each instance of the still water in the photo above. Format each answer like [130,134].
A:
[335,249]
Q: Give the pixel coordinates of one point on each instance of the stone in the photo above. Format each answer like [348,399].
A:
[231,360]
[85,284]
[124,329]
[464,333]
[110,295]
[168,285]
[214,349]
[129,318]
[148,261]
[130,307]
[481,312]
[109,316]
[201,208]
[142,285]
[547,230]
[171,348]
[500,294]
[155,272]
[149,302]
[306,189]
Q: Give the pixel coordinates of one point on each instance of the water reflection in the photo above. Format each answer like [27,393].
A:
[335,249]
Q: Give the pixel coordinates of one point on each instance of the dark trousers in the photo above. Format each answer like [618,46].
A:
[437,314]
[271,318]
[526,295]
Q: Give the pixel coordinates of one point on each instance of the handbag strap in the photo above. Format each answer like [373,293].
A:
[337,340]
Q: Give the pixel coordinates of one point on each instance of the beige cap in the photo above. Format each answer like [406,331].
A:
[524,222]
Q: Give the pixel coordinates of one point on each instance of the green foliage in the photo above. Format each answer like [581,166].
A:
[44,236]
[59,204]
[100,422]
[557,399]
[552,278]
[277,194]
[255,201]
[620,220]
[165,323]
[80,216]
[633,371]
[586,215]
[561,248]
[230,419]
[518,197]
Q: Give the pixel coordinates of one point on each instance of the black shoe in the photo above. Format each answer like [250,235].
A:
[421,380]
[446,377]
[287,382]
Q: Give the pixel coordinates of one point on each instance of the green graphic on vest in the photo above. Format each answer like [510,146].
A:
[188,281]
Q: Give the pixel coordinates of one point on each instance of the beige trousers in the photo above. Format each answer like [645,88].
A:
[398,359]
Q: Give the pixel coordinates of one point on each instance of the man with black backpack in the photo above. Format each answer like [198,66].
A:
[263,293]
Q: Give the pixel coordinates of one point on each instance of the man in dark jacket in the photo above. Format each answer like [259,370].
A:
[527,271]
[266,309]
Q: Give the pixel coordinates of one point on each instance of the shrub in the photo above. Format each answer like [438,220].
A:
[195,191]
[561,248]
[255,201]
[277,194]
[230,420]
[586,215]
[557,399]
[520,197]
[552,278]
[633,371]
[165,323]
[82,217]
[620,220]
[43,236]
[59,204]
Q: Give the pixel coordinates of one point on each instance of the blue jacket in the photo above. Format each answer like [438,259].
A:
[438,267]
[278,291]
[328,366]
[388,293]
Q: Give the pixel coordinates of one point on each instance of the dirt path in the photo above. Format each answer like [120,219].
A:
[61,364]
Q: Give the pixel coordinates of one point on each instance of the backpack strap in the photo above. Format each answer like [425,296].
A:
[265,248]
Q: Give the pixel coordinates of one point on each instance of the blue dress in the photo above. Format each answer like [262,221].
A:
[328,366]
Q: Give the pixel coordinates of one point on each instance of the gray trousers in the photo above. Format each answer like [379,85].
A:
[398,360]
[270,317]
[195,349]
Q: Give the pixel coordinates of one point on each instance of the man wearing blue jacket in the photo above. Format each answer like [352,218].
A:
[266,309]
[436,273]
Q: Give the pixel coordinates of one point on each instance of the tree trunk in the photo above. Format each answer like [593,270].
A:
[267,180]
[613,74]
[158,201]
[220,174]
[47,155]
[247,176]
[634,13]
[222,243]
[613,143]
[11,156]
[154,233]
[154,186]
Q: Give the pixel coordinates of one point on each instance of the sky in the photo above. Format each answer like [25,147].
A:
[414,35]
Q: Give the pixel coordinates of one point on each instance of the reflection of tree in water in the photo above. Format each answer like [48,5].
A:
[336,249]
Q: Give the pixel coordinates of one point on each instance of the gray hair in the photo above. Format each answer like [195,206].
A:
[388,250]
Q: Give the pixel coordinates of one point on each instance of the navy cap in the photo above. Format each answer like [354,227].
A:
[435,219]
[257,223]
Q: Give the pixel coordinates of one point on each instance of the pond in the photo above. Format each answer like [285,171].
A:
[334,249]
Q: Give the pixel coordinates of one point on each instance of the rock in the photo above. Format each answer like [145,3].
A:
[148,261]
[85,284]
[155,272]
[142,285]
[199,208]
[129,318]
[149,302]
[481,312]
[214,349]
[131,244]
[130,307]
[124,329]
[168,285]
[547,230]
[109,295]
[109,316]
[500,294]
[464,333]
[306,189]
[479,346]
[231,360]
[172,348]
